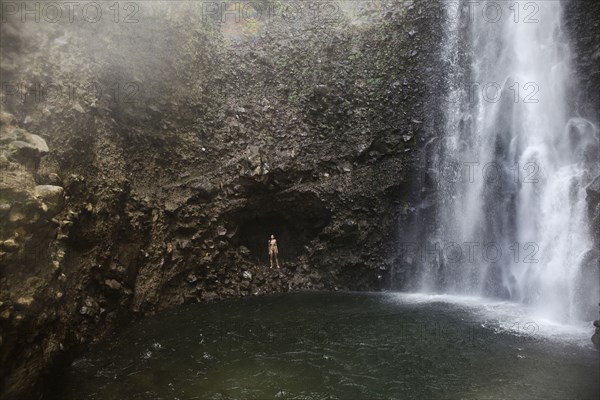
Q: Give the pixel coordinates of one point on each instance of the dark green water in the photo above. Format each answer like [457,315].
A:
[339,346]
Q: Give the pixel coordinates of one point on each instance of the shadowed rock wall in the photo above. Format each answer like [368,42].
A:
[178,143]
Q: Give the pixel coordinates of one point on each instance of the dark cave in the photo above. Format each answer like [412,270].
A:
[294,222]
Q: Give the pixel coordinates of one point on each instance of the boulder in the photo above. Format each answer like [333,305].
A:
[38,143]
[24,302]
[9,246]
[23,150]
[6,118]
[52,196]
[113,284]
[28,146]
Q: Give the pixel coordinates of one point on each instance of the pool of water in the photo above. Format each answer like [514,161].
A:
[340,346]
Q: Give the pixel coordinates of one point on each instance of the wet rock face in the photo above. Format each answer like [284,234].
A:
[596,336]
[582,21]
[27,252]
[593,200]
[117,209]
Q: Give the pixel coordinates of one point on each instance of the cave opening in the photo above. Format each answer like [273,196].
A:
[290,239]
[295,225]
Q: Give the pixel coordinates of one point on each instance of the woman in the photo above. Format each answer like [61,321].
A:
[273,251]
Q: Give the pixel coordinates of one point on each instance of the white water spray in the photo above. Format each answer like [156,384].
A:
[514,201]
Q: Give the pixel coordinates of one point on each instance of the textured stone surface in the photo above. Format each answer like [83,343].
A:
[219,136]
[583,27]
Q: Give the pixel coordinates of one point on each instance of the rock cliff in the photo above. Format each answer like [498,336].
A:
[145,164]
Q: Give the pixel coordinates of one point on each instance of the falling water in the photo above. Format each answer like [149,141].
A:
[513,164]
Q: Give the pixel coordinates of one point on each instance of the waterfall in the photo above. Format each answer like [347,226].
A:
[512,164]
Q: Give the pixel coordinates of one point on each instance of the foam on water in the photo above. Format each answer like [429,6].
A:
[508,316]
